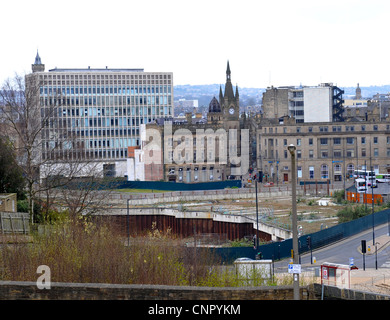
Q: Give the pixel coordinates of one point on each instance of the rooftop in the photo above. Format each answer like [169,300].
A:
[94,70]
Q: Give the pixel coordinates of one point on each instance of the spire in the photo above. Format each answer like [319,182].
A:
[37,59]
[228,72]
[38,66]
[236,91]
[228,86]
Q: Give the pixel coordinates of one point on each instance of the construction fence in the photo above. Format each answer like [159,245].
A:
[364,198]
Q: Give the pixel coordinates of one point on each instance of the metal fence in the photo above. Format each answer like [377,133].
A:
[282,249]
[14,222]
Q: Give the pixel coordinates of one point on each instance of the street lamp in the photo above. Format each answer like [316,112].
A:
[291,148]
[128,223]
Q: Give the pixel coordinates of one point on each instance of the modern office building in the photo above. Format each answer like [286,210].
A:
[95,114]
[322,103]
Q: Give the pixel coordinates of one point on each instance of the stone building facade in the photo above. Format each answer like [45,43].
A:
[324,150]
[197,149]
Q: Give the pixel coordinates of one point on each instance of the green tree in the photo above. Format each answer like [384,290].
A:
[11,176]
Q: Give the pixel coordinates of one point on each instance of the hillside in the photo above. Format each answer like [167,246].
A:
[251,96]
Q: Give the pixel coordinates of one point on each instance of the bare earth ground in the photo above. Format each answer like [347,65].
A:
[314,214]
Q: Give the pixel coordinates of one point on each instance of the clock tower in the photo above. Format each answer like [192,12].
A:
[229,102]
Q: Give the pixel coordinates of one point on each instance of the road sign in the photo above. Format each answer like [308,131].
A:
[325,273]
[294,268]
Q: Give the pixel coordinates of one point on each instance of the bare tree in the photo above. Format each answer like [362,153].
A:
[49,150]
[23,122]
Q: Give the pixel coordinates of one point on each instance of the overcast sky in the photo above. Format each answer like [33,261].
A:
[267,42]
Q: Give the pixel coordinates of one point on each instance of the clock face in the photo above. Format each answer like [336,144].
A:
[231,110]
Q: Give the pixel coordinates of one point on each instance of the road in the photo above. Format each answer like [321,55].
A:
[342,251]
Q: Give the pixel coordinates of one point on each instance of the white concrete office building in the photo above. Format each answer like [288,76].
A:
[96,113]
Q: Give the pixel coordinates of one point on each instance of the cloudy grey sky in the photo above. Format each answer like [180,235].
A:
[267,42]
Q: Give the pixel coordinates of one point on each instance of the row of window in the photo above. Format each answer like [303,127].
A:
[106,101]
[325,154]
[327,141]
[98,132]
[123,76]
[349,128]
[324,171]
[112,90]
[82,154]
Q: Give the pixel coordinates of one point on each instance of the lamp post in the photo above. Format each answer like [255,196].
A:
[291,148]
[128,223]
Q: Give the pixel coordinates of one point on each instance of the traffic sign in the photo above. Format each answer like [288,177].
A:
[325,273]
[294,268]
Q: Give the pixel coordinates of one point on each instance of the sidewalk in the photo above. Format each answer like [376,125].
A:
[382,242]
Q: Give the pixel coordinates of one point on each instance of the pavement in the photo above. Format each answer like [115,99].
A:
[371,279]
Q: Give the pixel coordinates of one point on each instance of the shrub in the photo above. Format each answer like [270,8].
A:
[350,213]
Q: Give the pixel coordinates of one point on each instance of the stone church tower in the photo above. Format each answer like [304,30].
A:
[38,66]
[358,94]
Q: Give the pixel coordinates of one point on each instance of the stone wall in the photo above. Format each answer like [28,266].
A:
[335,293]
[14,290]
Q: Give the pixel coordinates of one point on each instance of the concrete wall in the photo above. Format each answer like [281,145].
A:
[180,222]
[318,104]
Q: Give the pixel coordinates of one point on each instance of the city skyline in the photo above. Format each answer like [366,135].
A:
[278,43]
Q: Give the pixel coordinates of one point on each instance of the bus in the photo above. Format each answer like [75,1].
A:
[360,185]
[368,175]
[385,177]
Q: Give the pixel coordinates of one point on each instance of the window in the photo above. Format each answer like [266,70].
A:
[285,142]
[375,127]
[337,154]
[311,172]
[324,153]
[375,140]
[336,141]
[323,129]
[298,142]
[299,172]
[350,170]
[350,153]
[363,128]
[324,171]
[299,154]
[337,168]
[336,129]
[363,140]
[363,152]
[324,141]
[376,152]
[310,141]
[311,154]
[350,140]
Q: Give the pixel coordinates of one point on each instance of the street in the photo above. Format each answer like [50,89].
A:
[342,251]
